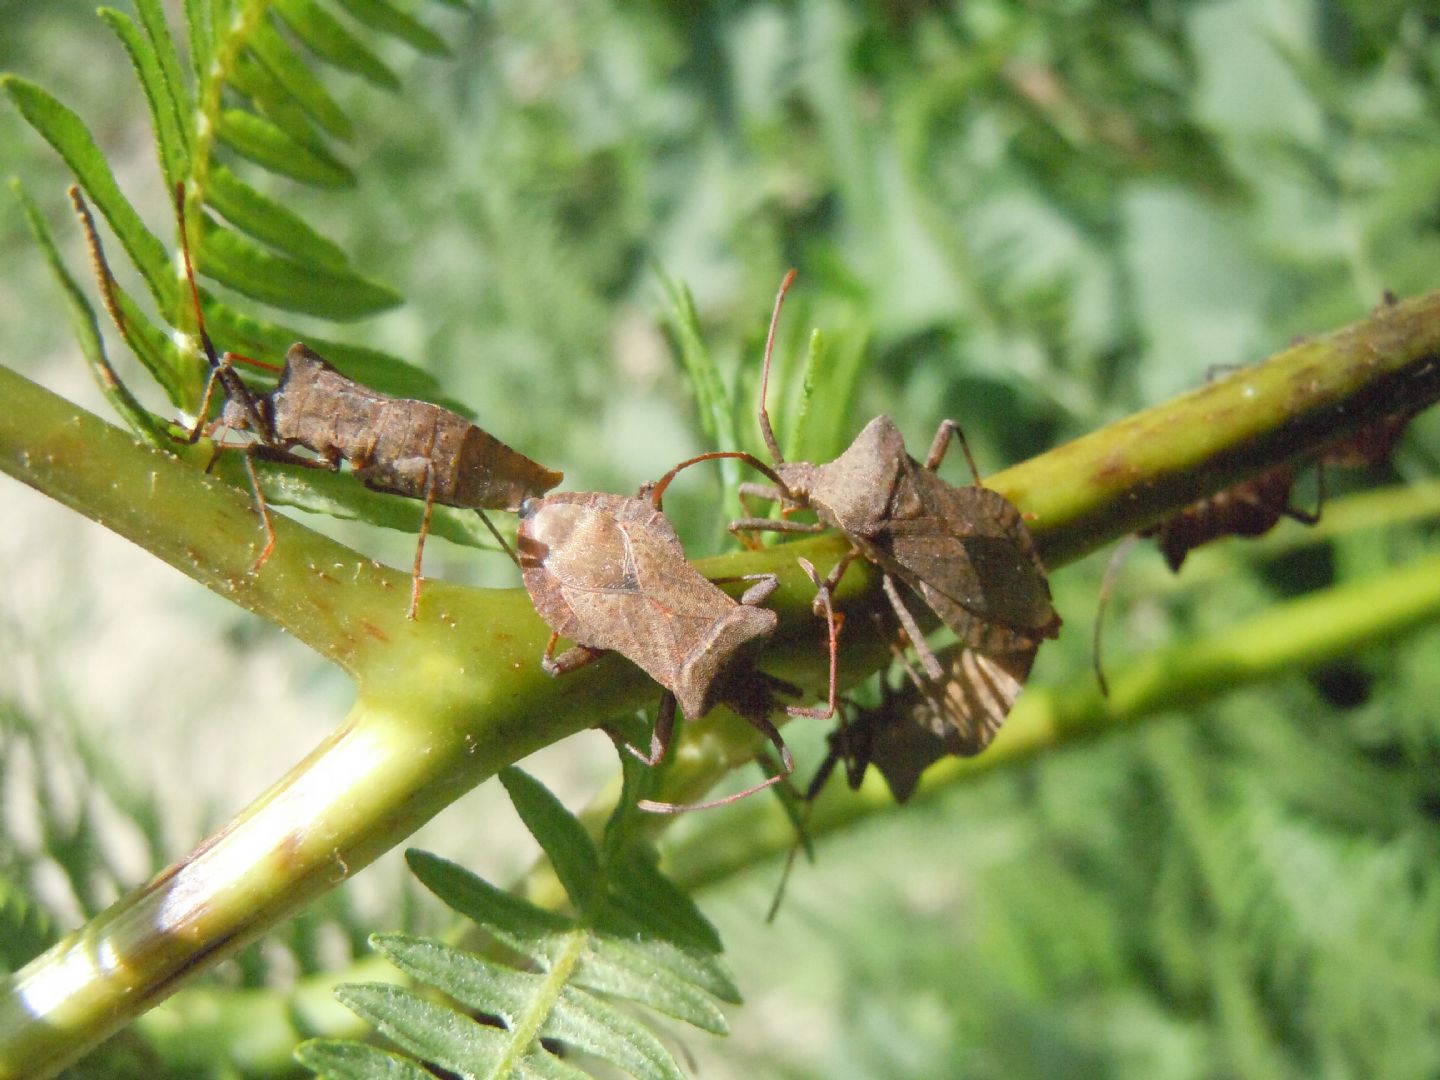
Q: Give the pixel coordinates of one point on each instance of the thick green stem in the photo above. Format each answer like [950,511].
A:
[1289,638]
[447,699]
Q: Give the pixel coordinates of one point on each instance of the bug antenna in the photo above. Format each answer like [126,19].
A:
[794,853]
[766,431]
[656,491]
[210,354]
[654,807]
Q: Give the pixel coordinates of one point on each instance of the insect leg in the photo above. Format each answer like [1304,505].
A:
[771,525]
[660,738]
[766,431]
[787,762]
[942,443]
[420,544]
[264,510]
[832,579]
[498,538]
[572,659]
[922,649]
[833,625]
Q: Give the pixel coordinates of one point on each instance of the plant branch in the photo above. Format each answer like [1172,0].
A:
[1286,639]
[446,700]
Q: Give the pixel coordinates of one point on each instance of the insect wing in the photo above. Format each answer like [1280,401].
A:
[968,553]
[960,715]
[608,572]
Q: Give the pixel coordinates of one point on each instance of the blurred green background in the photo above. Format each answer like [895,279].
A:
[1035,218]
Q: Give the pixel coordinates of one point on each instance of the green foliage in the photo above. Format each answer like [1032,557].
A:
[634,938]
[1034,218]
[263,250]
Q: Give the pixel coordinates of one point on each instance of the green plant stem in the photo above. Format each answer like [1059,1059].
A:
[446,700]
[1286,639]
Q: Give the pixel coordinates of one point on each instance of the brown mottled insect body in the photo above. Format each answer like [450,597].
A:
[1250,509]
[608,572]
[396,445]
[965,551]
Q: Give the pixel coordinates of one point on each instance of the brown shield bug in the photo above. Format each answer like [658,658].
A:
[1250,509]
[396,445]
[965,550]
[608,573]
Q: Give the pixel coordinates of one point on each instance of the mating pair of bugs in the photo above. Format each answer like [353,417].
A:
[608,572]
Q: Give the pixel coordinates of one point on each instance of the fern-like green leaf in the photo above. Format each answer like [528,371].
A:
[335,1059]
[388,19]
[523,999]
[244,266]
[637,939]
[433,1032]
[291,72]
[328,38]
[68,134]
[174,157]
[87,329]
[572,853]
[264,143]
[258,215]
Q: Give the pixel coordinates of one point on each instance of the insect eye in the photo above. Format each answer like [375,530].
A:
[529,506]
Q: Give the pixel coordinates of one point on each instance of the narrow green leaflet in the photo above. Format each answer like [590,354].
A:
[335,1059]
[68,134]
[286,65]
[431,1031]
[232,259]
[152,18]
[174,159]
[87,330]
[260,216]
[831,384]
[636,977]
[639,949]
[327,37]
[265,144]
[571,851]
[640,886]
[717,419]
[253,80]
[388,19]
[202,41]
[521,925]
